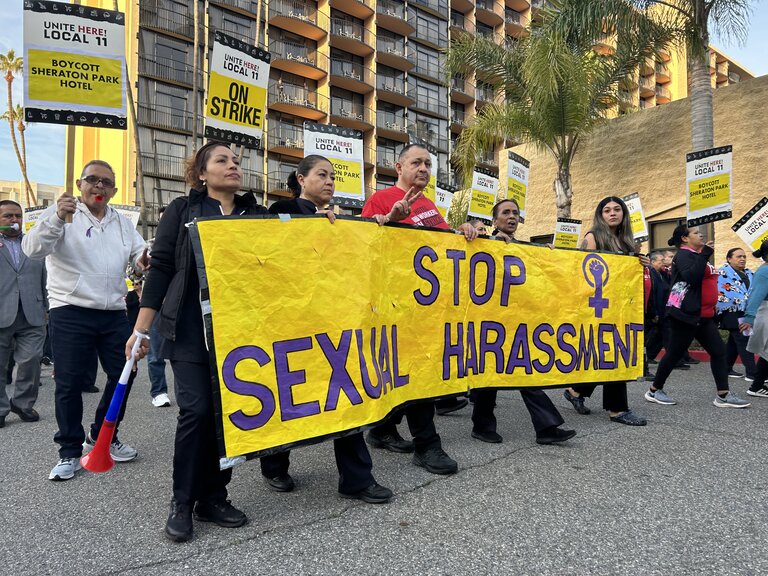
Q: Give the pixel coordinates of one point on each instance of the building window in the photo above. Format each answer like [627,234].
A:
[660,232]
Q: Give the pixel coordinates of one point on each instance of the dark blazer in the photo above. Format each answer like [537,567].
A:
[25,285]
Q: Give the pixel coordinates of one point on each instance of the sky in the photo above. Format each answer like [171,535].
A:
[45,142]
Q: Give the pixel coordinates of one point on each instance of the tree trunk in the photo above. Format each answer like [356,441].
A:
[31,198]
[11,115]
[563,193]
[702,113]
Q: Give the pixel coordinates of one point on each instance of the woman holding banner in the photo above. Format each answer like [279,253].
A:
[611,231]
[691,314]
[756,315]
[172,287]
[313,184]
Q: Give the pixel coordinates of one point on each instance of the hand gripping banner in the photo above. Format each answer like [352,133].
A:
[318,329]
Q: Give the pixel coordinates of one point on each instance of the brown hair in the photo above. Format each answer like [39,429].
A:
[194,165]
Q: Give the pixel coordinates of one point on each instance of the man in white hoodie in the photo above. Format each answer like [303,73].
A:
[86,261]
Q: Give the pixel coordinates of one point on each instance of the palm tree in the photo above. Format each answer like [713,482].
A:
[12,66]
[551,90]
[689,22]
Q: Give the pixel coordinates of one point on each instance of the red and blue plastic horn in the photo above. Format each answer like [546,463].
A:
[99,459]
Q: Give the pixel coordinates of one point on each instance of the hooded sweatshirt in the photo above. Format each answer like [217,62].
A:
[86,260]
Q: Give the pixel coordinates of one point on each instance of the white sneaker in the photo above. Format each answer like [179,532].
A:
[161,400]
[65,469]
[119,451]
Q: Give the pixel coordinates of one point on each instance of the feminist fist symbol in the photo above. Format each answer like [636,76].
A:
[596,267]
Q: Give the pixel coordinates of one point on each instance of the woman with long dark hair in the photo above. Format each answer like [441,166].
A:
[313,184]
[755,321]
[172,288]
[733,286]
[612,232]
[691,314]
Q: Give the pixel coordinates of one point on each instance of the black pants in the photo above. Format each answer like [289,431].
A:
[543,412]
[196,474]
[352,460]
[708,336]
[654,338]
[761,374]
[737,347]
[614,394]
[421,423]
[81,335]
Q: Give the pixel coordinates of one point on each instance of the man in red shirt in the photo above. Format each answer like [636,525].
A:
[405,202]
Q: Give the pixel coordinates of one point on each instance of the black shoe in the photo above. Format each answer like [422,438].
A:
[179,525]
[578,403]
[491,437]
[733,374]
[649,377]
[28,415]
[435,460]
[691,360]
[281,483]
[374,494]
[392,442]
[221,513]
[681,366]
[2,421]
[553,435]
[448,405]
[630,419]
[92,389]
[46,361]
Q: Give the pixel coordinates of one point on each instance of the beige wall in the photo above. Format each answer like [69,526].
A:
[645,152]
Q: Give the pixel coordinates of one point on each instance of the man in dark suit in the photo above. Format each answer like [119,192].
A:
[22,316]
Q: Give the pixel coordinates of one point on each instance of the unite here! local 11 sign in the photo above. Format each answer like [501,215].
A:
[709,186]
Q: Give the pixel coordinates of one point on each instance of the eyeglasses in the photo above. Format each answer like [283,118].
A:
[93,180]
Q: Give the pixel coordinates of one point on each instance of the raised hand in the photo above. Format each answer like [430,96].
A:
[402,208]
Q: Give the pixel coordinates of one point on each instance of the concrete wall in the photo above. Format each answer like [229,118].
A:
[645,151]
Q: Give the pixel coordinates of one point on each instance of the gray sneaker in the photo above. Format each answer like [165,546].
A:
[119,451]
[659,397]
[730,401]
[65,469]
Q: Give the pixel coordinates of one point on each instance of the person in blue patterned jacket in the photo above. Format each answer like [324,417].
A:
[733,287]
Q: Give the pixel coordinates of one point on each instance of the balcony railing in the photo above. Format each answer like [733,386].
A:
[245,5]
[306,11]
[647,83]
[162,166]
[458,20]
[169,70]
[391,8]
[252,180]
[168,20]
[488,159]
[440,6]
[488,5]
[428,103]
[286,135]
[351,110]
[484,94]
[427,66]
[514,17]
[661,69]
[296,52]
[462,85]
[391,121]
[352,70]
[347,29]
[295,95]
[458,117]
[390,84]
[436,37]
[391,46]
[277,180]
[662,92]
[165,117]
[386,157]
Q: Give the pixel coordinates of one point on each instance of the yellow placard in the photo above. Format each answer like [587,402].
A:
[74,78]
[565,240]
[708,192]
[348,176]
[321,328]
[636,222]
[236,102]
[481,203]
[516,192]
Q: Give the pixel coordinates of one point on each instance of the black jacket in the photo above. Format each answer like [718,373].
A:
[293,206]
[172,258]
[688,270]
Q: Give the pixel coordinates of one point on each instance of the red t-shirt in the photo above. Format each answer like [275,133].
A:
[709,292]
[423,211]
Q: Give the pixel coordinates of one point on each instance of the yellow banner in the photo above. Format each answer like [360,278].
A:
[709,192]
[74,78]
[236,102]
[322,328]
[348,176]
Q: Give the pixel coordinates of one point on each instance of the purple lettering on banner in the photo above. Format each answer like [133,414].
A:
[508,279]
[375,362]
[492,347]
[424,274]
[287,379]
[340,378]
[622,347]
[564,346]
[400,379]
[544,347]
[636,329]
[471,361]
[385,364]
[451,349]
[261,392]
[371,390]
[603,347]
[490,276]
[520,353]
[587,351]
[456,256]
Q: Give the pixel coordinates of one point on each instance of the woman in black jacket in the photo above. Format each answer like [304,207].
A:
[172,287]
[313,184]
[691,314]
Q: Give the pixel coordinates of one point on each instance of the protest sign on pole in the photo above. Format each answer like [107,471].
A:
[567,233]
[74,65]
[709,185]
[237,92]
[485,185]
[32,214]
[753,226]
[518,169]
[636,217]
[444,198]
[344,148]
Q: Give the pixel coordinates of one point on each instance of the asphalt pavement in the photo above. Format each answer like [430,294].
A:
[684,495]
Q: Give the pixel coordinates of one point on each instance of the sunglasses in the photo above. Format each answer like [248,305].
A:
[94,180]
